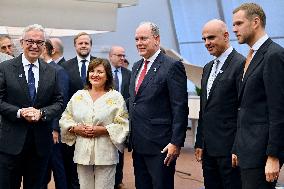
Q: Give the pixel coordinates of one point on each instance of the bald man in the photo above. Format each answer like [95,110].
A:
[218,109]
[58,49]
[122,79]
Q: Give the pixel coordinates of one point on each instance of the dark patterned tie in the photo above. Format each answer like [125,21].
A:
[116,80]
[83,71]
[31,82]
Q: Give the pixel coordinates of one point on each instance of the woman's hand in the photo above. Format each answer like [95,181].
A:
[88,131]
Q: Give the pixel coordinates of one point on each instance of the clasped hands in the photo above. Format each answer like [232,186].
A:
[30,114]
[86,130]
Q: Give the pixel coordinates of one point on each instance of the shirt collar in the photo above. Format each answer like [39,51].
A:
[153,58]
[114,68]
[259,42]
[222,58]
[26,62]
[58,59]
[88,58]
[50,60]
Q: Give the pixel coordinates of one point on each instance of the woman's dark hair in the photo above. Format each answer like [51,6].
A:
[93,64]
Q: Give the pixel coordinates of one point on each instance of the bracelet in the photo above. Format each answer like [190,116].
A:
[71,130]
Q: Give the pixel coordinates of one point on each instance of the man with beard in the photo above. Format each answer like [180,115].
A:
[76,69]
[259,140]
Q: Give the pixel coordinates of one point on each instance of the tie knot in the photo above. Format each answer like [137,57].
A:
[250,52]
[116,70]
[84,61]
[217,61]
[146,61]
[31,66]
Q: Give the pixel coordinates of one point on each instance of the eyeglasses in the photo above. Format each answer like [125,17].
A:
[31,42]
[120,55]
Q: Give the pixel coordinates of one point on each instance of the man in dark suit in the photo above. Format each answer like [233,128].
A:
[217,124]
[158,111]
[57,52]
[259,139]
[76,69]
[121,83]
[55,163]
[29,100]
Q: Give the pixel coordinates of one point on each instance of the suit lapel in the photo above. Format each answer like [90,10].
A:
[43,78]
[76,73]
[123,80]
[256,60]
[135,72]
[150,74]
[20,75]
[205,81]
[223,69]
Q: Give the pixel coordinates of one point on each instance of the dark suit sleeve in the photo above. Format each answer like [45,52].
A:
[274,87]
[199,134]
[63,82]
[56,106]
[177,86]
[6,109]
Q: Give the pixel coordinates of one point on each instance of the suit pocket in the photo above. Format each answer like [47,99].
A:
[160,121]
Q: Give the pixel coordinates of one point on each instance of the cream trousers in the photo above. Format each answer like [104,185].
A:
[96,176]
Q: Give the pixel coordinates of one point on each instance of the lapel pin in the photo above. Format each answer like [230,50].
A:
[21,75]
[155,69]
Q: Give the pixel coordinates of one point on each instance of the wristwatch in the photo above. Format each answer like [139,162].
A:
[42,114]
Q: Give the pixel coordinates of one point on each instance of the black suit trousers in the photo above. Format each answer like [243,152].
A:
[254,178]
[219,174]
[151,173]
[28,164]
[119,170]
[70,167]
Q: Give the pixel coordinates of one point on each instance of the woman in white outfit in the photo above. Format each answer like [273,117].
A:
[96,120]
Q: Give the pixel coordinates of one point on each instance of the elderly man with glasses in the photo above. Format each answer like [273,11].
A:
[29,100]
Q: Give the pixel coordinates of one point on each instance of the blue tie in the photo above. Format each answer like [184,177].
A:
[31,83]
[83,71]
[116,80]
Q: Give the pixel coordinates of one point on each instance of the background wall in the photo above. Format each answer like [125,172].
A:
[157,11]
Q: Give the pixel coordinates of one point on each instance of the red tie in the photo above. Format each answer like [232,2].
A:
[142,75]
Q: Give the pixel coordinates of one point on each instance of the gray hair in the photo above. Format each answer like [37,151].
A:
[154,28]
[34,27]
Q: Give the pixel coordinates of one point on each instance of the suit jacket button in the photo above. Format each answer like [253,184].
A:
[239,109]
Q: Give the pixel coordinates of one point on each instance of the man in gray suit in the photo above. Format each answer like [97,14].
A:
[217,124]
[29,100]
